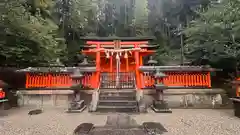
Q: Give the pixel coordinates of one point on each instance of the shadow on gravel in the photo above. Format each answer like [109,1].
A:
[120,124]
[3,113]
[14,110]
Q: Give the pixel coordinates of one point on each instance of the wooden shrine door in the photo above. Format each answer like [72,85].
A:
[119,77]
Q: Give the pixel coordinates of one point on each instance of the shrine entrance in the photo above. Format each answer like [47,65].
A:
[117,62]
[117,80]
[117,68]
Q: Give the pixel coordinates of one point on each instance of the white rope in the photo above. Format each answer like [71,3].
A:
[118,52]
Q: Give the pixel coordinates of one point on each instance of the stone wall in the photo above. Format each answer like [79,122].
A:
[176,98]
[61,100]
[193,98]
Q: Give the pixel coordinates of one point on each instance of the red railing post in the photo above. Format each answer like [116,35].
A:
[181,79]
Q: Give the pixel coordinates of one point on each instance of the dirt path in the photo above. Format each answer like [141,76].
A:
[54,121]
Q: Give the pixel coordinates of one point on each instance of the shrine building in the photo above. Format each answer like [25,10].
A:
[122,63]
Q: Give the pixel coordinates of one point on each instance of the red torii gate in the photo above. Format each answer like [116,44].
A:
[137,57]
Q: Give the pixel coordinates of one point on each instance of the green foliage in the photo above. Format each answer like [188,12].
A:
[79,20]
[79,11]
[141,17]
[35,32]
[215,34]
[42,32]
[30,35]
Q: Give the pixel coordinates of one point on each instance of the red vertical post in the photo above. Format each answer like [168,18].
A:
[49,83]
[111,64]
[136,53]
[237,88]
[141,74]
[127,65]
[209,79]
[98,64]
[28,80]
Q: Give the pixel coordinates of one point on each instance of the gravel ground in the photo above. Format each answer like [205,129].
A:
[54,121]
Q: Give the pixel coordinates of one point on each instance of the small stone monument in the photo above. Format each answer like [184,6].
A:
[77,105]
[120,121]
[159,105]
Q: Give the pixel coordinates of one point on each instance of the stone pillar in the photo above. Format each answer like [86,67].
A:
[77,105]
[159,105]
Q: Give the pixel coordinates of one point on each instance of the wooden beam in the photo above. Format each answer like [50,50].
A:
[112,43]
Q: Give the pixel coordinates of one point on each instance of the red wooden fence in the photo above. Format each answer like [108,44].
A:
[63,80]
[180,79]
[59,80]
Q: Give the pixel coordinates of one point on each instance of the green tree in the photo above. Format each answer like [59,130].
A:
[141,17]
[78,19]
[215,34]
[30,34]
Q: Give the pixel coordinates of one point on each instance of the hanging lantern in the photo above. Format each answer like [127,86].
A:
[126,55]
[117,56]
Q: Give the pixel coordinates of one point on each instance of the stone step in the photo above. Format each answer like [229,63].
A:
[116,107]
[119,97]
[118,102]
[118,93]
[102,108]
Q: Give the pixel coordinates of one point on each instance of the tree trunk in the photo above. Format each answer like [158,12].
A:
[236,69]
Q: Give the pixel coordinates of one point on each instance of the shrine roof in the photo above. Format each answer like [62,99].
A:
[56,69]
[140,38]
[177,68]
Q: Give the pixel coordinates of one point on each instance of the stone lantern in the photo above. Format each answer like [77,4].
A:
[75,77]
[159,105]
[151,61]
[77,105]
[84,62]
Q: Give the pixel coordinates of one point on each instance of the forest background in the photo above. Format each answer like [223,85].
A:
[47,32]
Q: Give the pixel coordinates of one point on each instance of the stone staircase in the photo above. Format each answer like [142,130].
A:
[113,100]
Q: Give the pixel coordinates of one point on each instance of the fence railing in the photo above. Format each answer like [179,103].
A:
[179,79]
[56,80]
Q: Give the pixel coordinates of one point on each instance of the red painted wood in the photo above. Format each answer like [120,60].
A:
[180,79]
[112,43]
